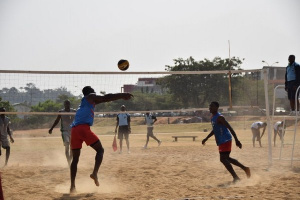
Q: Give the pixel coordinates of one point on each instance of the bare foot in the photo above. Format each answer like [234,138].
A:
[72,190]
[95,178]
[247,171]
[236,179]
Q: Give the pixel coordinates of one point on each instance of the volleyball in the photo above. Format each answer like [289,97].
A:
[123,65]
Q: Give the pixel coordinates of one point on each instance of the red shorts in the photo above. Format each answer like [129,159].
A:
[82,133]
[225,146]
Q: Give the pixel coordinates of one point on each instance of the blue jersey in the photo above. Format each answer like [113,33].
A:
[222,134]
[85,113]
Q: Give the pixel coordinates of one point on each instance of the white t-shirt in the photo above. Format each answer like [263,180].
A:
[123,119]
[256,124]
[276,126]
[149,120]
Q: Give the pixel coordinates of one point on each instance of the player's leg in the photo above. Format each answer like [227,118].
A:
[76,145]
[147,140]
[97,146]
[237,163]
[275,134]
[76,155]
[7,148]
[66,135]
[127,141]
[120,137]
[224,158]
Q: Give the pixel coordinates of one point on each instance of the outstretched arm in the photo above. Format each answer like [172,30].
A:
[223,121]
[108,97]
[54,124]
[207,137]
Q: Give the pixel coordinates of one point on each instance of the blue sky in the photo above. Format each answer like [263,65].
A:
[92,35]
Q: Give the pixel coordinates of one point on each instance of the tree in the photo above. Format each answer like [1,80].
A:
[199,90]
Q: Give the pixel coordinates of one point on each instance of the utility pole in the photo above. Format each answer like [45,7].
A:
[229,76]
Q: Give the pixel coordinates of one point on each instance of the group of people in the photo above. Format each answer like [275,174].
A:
[123,128]
[256,135]
[76,129]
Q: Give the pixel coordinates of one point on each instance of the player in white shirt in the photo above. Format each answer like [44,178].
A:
[150,120]
[65,128]
[255,128]
[278,129]
[123,122]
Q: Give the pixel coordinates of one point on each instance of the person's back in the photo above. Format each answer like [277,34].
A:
[257,125]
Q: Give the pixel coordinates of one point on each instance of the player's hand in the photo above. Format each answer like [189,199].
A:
[50,131]
[12,140]
[129,130]
[115,130]
[238,143]
[203,141]
[127,96]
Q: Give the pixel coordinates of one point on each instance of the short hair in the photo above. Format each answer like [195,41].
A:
[2,109]
[87,90]
[215,103]
[292,57]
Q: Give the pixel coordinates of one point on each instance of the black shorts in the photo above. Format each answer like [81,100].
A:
[123,131]
[292,87]
[149,131]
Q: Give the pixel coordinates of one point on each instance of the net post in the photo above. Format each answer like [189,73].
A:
[265,73]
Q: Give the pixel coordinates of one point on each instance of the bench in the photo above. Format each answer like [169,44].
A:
[194,137]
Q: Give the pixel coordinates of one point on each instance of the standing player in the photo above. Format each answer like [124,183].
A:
[255,128]
[150,120]
[223,138]
[278,129]
[81,131]
[123,122]
[292,82]
[65,128]
[5,131]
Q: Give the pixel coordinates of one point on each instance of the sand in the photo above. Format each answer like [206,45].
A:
[38,170]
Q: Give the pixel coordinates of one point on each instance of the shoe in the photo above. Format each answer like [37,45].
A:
[128,152]
[145,147]
[247,171]
[159,142]
[120,152]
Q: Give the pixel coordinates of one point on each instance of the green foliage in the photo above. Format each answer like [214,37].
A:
[199,90]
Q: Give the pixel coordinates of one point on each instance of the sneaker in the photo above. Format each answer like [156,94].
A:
[247,171]
[145,147]
[159,142]
[120,152]
[128,152]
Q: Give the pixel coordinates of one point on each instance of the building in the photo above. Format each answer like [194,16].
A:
[21,107]
[144,85]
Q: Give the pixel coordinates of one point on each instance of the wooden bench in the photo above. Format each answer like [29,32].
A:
[194,137]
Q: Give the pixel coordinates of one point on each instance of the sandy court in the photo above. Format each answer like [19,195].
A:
[38,170]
